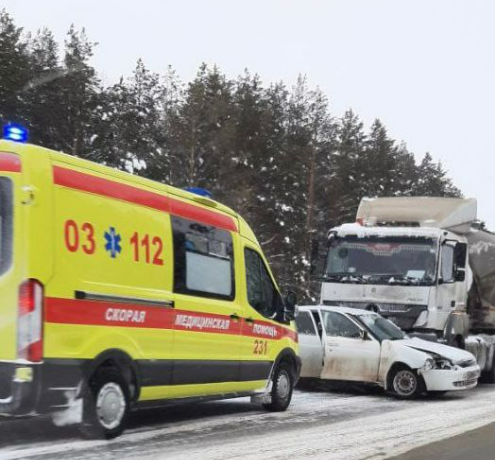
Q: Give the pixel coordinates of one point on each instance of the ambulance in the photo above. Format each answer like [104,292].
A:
[118,293]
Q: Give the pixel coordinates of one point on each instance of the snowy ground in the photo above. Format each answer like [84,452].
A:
[325,425]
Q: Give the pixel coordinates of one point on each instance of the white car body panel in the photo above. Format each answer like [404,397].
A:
[368,360]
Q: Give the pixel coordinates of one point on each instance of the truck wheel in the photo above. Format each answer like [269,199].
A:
[405,383]
[282,389]
[106,405]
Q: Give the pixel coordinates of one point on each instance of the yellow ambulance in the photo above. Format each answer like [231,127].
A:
[118,292]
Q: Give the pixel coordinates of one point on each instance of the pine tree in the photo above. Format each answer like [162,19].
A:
[79,89]
[380,163]
[349,167]
[205,118]
[433,181]
[14,71]
[43,97]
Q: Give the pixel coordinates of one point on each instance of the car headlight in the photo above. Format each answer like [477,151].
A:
[429,364]
[444,363]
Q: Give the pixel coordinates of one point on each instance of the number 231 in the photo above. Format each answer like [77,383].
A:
[260,347]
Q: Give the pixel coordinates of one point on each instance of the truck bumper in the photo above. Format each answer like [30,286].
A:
[451,380]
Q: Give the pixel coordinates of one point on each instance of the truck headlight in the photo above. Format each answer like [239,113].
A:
[429,364]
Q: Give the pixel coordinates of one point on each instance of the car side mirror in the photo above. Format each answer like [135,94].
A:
[290,306]
[363,335]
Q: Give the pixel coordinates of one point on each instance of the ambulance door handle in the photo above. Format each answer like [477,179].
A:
[234,317]
[250,320]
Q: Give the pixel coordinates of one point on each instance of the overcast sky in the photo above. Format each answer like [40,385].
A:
[426,68]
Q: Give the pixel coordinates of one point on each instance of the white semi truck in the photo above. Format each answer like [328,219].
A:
[422,263]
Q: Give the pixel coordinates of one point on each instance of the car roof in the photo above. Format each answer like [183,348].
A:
[336,308]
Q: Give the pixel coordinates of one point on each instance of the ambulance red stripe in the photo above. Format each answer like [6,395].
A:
[111,189]
[101,313]
[10,162]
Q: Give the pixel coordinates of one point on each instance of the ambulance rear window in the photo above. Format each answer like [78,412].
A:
[204,259]
[6,218]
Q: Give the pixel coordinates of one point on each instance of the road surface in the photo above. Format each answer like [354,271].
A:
[320,425]
[474,445]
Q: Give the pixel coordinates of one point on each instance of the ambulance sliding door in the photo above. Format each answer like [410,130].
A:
[208,322]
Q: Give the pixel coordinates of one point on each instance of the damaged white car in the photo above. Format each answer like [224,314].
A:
[346,344]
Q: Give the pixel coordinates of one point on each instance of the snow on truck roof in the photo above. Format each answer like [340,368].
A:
[363,232]
[455,214]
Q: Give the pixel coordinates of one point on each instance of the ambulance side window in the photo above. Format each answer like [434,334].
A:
[6,224]
[203,260]
[262,294]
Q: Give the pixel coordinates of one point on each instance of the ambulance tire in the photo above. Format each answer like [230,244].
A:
[283,383]
[106,405]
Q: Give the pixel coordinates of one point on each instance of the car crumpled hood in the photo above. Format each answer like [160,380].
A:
[455,355]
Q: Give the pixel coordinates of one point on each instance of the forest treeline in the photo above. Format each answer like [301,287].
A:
[275,153]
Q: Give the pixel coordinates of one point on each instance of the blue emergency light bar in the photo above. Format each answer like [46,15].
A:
[14,132]
[199,191]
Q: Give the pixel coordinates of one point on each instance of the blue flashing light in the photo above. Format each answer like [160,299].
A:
[16,133]
[199,191]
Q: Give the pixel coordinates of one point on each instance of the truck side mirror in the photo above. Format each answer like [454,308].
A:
[460,261]
[290,306]
[460,255]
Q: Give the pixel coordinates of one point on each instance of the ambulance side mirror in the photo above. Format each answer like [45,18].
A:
[290,305]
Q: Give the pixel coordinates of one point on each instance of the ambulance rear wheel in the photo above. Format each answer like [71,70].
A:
[106,405]
[282,388]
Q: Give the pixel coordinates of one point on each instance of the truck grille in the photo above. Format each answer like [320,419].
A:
[403,315]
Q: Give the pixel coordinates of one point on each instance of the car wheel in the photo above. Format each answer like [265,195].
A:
[405,383]
[106,405]
[282,388]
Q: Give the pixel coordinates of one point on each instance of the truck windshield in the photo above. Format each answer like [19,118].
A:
[381,328]
[377,260]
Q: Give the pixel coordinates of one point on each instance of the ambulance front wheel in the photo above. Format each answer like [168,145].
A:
[106,405]
[282,388]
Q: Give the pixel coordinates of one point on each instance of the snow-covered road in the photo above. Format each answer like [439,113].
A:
[319,425]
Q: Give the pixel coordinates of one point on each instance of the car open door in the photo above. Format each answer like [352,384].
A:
[310,345]
[350,353]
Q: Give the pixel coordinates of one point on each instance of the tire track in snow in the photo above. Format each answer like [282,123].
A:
[319,425]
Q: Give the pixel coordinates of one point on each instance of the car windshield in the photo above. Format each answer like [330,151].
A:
[381,328]
[378,260]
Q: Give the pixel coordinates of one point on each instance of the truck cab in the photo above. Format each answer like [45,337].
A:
[405,258]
